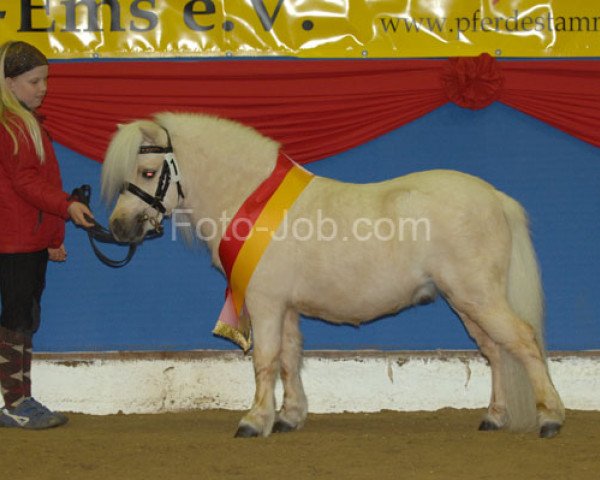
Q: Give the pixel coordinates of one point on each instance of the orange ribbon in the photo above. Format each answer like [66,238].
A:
[247,237]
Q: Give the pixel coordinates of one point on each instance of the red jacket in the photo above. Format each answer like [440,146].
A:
[33,206]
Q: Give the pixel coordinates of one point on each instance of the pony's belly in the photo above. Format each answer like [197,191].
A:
[348,304]
[343,282]
[347,313]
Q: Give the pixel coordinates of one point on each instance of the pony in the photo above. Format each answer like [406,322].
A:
[476,252]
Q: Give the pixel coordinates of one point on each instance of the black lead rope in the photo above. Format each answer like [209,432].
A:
[98,233]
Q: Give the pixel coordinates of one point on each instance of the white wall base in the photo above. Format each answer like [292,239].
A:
[337,381]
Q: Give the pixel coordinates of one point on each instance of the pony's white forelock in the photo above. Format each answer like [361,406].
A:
[121,157]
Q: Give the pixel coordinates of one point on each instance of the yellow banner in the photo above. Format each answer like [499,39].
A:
[304,28]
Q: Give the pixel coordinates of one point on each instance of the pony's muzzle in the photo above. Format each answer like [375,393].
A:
[129,230]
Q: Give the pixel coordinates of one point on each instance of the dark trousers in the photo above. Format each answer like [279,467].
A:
[22,281]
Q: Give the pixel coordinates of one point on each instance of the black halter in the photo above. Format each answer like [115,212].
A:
[169,173]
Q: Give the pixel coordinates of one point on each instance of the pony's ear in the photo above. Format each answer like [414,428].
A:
[151,133]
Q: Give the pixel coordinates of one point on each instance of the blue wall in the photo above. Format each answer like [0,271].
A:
[169,297]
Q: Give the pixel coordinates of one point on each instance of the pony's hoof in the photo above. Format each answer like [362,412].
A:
[488,426]
[282,427]
[246,431]
[550,430]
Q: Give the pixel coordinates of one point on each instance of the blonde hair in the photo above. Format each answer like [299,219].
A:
[10,104]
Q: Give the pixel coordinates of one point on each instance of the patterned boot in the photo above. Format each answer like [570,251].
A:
[20,410]
[27,351]
[27,355]
[12,350]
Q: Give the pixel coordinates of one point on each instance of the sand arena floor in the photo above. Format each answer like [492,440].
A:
[442,445]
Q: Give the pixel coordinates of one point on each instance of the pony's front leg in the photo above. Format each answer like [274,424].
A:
[266,330]
[294,410]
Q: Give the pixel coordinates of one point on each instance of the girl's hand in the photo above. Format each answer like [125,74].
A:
[57,254]
[78,211]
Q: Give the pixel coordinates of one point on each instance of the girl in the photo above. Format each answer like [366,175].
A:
[33,210]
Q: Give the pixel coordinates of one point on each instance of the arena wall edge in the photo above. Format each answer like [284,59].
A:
[335,381]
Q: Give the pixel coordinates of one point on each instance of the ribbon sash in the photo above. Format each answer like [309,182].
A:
[247,237]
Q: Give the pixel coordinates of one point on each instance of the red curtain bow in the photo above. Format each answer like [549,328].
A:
[472,82]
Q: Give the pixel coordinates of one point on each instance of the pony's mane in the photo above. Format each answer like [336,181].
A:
[121,158]
[208,132]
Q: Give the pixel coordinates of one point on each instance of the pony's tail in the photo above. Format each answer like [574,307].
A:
[525,296]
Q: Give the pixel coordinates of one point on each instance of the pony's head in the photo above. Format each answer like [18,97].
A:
[141,173]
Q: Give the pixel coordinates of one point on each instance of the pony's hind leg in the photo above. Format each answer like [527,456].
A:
[518,339]
[496,416]
[267,330]
[294,409]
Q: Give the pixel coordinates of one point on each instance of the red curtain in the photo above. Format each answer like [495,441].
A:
[315,108]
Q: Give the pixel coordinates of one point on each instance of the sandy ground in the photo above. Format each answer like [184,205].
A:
[388,445]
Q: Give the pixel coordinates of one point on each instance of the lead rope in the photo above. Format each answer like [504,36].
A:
[98,233]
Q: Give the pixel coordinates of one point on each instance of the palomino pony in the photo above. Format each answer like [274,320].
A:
[476,252]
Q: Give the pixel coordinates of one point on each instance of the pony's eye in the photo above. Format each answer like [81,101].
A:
[148,173]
